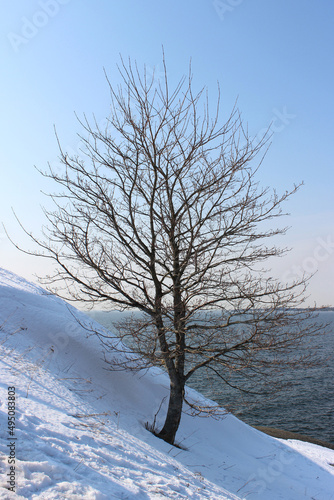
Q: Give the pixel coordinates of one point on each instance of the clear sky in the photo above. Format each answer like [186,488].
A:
[275,56]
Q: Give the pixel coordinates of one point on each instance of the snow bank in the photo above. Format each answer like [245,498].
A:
[80,427]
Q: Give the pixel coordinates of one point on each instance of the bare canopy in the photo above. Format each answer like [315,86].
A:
[162,213]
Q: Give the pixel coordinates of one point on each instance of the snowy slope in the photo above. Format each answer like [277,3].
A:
[80,427]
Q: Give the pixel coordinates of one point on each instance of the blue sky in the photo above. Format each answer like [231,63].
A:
[276,57]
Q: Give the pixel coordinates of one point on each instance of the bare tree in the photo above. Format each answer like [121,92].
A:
[163,214]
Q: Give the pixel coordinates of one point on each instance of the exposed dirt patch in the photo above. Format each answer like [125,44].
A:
[279,433]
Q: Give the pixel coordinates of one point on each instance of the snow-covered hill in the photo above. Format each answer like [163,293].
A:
[80,434]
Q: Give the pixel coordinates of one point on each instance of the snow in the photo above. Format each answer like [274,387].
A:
[80,429]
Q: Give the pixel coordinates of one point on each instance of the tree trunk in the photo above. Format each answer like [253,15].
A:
[173,417]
